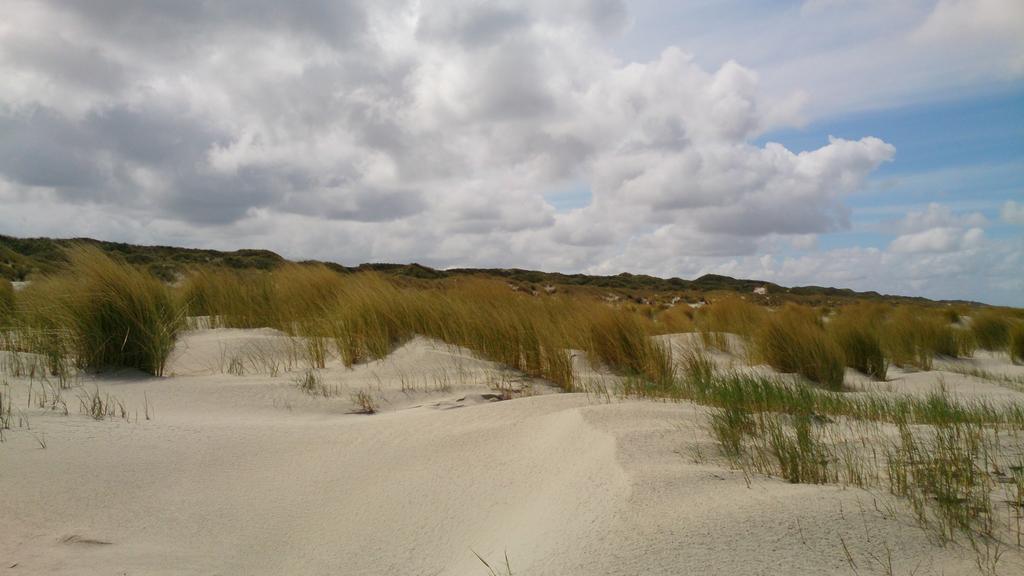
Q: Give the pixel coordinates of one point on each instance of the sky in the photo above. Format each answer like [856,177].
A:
[866,144]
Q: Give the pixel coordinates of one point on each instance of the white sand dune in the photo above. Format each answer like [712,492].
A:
[249,475]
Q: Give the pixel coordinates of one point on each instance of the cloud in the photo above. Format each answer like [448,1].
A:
[414,131]
[969,20]
[937,229]
[937,240]
[1012,213]
[804,241]
[458,116]
[937,215]
[832,49]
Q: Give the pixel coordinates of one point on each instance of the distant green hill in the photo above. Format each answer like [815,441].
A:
[20,258]
[23,258]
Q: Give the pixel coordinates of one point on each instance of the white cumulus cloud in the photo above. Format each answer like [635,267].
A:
[428,131]
[942,239]
[440,124]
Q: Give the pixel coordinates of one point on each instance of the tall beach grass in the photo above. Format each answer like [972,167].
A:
[101,313]
[857,331]
[728,315]
[793,339]
[1016,342]
[6,302]
[913,336]
[991,330]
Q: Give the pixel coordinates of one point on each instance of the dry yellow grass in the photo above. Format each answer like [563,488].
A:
[730,315]
[913,336]
[364,316]
[108,313]
[675,320]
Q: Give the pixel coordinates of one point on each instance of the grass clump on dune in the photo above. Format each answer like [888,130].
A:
[621,341]
[103,313]
[729,315]
[991,330]
[1016,342]
[368,317]
[674,320]
[296,299]
[914,336]
[527,333]
[857,332]
[230,298]
[6,302]
[946,460]
[755,394]
[363,316]
[952,314]
[792,339]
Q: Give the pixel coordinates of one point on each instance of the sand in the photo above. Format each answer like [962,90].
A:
[250,475]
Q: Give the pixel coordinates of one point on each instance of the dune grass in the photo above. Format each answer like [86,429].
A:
[6,302]
[5,410]
[497,569]
[101,313]
[120,316]
[230,298]
[991,330]
[793,339]
[105,313]
[363,402]
[944,474]
[529,334]
[362,317]
[953,314]
[729,315]
[100,406]
[284,298]
[913,336]
[675,319]
[857,333]
[949,473]
[756,394]
[621,341]
[367,317]
[1016,343]
[947,460]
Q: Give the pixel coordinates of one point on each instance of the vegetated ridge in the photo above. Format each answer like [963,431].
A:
[22,258]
